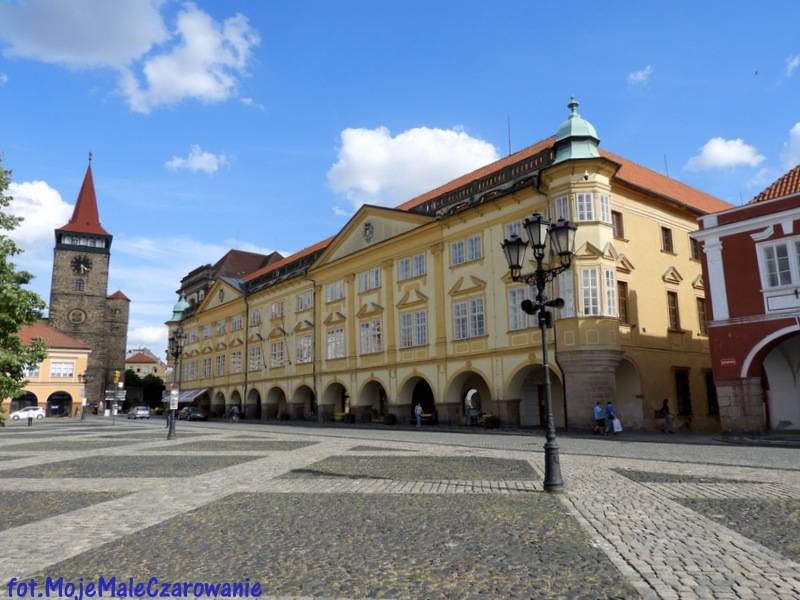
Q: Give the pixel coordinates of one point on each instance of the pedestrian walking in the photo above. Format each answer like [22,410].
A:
[667,415]
[235,413]
[610,416]
[418,414]
[599,418]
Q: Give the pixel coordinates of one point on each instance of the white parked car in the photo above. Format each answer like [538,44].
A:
[36,412]
[140,412]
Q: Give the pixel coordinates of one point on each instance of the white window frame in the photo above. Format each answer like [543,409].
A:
[469,319]
[220,361]
[236,323]
[590,291]
[515,228]
[584,206]
[305,349]
[605,209]
[207,331]
[411,267]
[221,327]
[193,370]
[371,336]
[255,317]
[62,369]
[303,301]
[458,255]
[610,284]
[474,247]
[369,280]
[414,329]
[32,373]
[336,344]
[792,257]
[276,353]
[517,318]
[563,208]
[566,291]
[236,361]
[254,358]
[207,368]
[334,291]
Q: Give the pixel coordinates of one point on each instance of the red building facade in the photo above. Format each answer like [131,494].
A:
[751,268]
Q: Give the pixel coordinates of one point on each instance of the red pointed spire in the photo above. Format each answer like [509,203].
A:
[85,218]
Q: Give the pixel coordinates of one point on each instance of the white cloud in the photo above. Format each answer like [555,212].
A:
[764,175]
[791,149]
[203,59]
[374,166]
[342,212]
[206,65]
[792,63]
[42,209]
[719,153]
[83,33]
[198,160]
[253,104]
[641,76]
[153,336]
[3,78]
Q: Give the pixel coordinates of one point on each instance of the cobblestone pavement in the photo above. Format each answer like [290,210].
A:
[340,513]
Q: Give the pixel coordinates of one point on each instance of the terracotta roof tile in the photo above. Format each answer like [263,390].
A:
[140,357]
[118,295]
[785,186]
[85,218]
[289,259]
[51,336]
[629,172]
[237,263]
[647,179]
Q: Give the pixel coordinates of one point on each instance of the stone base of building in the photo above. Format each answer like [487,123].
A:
[507,411]
[326,412]
[591,377]
[269,411]
[296,412]
[449,414]
[741,404]
[402,413]
[361,414]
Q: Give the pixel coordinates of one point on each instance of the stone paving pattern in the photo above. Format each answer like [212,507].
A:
[127,466]
[417,468]
[65,445]
[19,508]
[638,518]
[236,446]
[773,523]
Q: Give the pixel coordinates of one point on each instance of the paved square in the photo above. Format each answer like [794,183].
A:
[352,513]
[355,546]
[66,445]
[19,508]
[417,468]
[128,466]
[236,446]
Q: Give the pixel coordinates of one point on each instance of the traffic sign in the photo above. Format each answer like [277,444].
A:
[173,399]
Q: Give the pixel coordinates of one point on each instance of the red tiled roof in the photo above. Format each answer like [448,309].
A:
[629,172]
[141,357]
[289,259]
[118,295]
[85,218]
[237,263]
[478,173]
[642,177]
[787,185]
[51,336]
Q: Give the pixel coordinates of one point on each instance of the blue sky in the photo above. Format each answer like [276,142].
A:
[263,125]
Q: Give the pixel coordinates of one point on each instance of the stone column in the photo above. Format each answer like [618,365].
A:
[590,376]
[741,404]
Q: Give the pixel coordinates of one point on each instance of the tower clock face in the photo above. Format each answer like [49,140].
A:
[76,316]
[81,264]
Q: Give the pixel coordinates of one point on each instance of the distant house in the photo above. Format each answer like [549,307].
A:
[751,267]
[143,362]
[55,383]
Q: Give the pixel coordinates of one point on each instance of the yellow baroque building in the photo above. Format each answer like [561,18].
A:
[415,305]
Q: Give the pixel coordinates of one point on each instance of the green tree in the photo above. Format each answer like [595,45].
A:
[132,379]
[18,306]
[153,390]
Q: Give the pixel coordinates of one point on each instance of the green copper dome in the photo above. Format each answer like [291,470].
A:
[179,309]
[576,138]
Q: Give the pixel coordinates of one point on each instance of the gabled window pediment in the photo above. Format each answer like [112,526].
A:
[369,309]
[412,297]
[334,317]
[467,286]
[672,276]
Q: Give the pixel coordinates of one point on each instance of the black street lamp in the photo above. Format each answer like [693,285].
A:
[176,341]
[561,238]
[83,378]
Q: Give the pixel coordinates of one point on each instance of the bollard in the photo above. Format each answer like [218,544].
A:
[30,420]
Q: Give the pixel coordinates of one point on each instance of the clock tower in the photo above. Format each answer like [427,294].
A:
[79,302]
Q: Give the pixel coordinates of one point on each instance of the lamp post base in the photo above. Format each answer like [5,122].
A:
[552,468]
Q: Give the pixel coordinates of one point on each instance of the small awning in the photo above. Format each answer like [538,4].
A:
[185,396]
